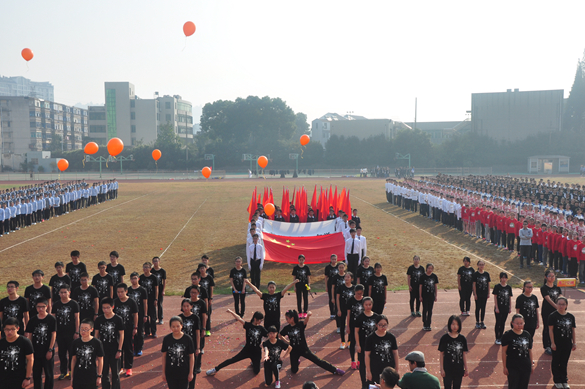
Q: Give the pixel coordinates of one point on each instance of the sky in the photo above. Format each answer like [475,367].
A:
[372,58]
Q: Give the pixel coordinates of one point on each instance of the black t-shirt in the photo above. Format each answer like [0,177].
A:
[126,311]
[65,315]
[102,285]
[338,280]
[254,335]
[41,330]
[206,283]
[74,272]
[202,293]
[518,350]
[33,294]
[355,308]
[466,274]
[199,309]
[191,324]
[272,307]
[13,361]
[428,285]
[554,294]
[138,295]
[238,277]
[149,283]
[296,335]
[453,349]
[302,274]
[211,272]
[57,282]
[380,349]
[528,307]
[178,352]
[274,350]
[85,299]
[378,285]
[330,271]
[482,283]
[345,293]
[503,294]
[86,353]
[364,275]
[160,274]
[15,309]
[415,275]
[562,329]
[109,331]
[367,326]
[116,272]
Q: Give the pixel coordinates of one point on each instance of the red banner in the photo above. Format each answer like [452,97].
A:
[316,249]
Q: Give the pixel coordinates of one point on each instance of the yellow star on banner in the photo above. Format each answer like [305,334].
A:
[288,246]
[292,244]
[287,241]
[274,241]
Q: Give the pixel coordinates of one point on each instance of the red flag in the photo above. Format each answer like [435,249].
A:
[265,197]
[304,206]
[252,206]
[314,200]
[336,201]
[285,205]
[340,200]
[316,249]
[348,204]
[270,198]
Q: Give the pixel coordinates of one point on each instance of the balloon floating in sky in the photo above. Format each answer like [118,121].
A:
[156,154]
[206,171]
[305,140]
[63,164]
[189,28]
[115,146]
[262,161]
[269,209]
[91,148]
[27,54]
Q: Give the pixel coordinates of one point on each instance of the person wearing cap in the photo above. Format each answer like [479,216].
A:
[418,377]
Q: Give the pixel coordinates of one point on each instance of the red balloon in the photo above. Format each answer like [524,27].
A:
[269,209]
[305,140]
[91,148]
[206,171]
[156,154]
[262,161]
[189,28]
[27,54]
[115,146]
[63,164]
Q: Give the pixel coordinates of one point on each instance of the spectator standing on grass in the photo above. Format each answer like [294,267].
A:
[561,326]
[525,235]
[418,377]
[161,275]
[255,255]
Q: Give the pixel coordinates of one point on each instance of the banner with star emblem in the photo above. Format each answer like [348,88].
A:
[316,249]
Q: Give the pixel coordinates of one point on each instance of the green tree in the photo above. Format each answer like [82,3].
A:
[574,113]
[418,145]
[56,142]
[301,125]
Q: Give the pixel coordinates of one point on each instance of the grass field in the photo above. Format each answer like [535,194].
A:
[184,220]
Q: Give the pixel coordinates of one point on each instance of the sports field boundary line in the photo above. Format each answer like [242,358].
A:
[172,241]
[436,237]
[72,223]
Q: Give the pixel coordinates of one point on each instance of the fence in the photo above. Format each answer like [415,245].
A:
[454,171]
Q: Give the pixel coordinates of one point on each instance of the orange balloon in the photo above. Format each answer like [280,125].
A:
[305,140]
[262,161]
[156,154]
[269,209]
[115,146]
[63,164]
[27,54]
[206,171]
[189,28]
[91,148]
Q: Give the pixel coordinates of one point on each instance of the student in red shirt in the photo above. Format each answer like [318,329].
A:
[536,241]
[545,245]
[573,254]
[557,259]
[582,261]
[511,223]
[501,231]
[472,229]
[563,252]
[488,224]
[518,223]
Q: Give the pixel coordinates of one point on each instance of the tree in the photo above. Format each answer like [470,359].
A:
[56,143]
[574,115]
[418,145]
[301,125]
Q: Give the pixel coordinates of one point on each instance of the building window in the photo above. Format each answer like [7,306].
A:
[132,103]
[168,105]
[158,116]
[111,113]
[133,128]
[168,116]
[97,116]
[133,115]
[97,128]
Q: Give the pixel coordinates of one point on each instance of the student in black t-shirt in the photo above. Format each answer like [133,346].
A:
[413,275]
[465,286]
[149,282]
[527,306]
[381,351]
[302,273]
[355,306]
[295,330]
[14,306]
[161,275]
[116,270]
[238,277]
[16,371]
[337,280]
[206,282]
[330,272]
[66,312]
[87,360]
[127,309]
[74,269]
[428,295]
[365,326]
[205,261]
[191,327]
[36,291]
[378,284]
[42,332]
[364,272]
[502,305]
[453,348]
[273,356]
[58,279]
[178,356]
[550,293]
[199,309]
[517,354]
[87,297]
[342,295]
[103,283]
[271,302]
[109,328]
[481,290]
[254,334]
[140,296]
[561,325]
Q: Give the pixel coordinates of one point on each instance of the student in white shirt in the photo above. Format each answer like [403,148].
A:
[363,242]
[255,255]
[353,254]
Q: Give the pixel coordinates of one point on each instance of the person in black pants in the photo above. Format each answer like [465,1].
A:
[110,330]
[481,290]
[453,348]
[255,253]
[161,275]
[178,357]
[502,305]
[127,309]
[140,296]
[517,354]
[66,312]
[238,277]
[465,286]
[428,295]
[330,272]
[303,274]
[41,330]
[353,250]
[561,325]
[413,275]
[254,334]
[342,295]
[550,294]
[150,282]
[527,305]
[273,356]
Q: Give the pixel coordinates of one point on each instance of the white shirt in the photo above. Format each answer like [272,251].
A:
[357,248]
[363,243]
[259,254]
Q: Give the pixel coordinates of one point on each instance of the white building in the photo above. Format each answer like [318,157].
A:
[350,125]
[20,86]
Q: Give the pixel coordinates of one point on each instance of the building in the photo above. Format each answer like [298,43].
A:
[133,120]
[32,124]
[439,131]
[514,115]
[20,86]
[548,164]
[350,125]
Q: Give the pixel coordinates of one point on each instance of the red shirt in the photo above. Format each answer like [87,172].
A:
[581,249]
[464,213]
[573,251]
[518,225]
[511,225]
[499,223]
[472,215]
[563,246]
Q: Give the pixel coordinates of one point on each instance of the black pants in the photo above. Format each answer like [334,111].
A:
[545,334]
[177,381]
[480,308]
[41,365]
[255,272]
[518,378]
[303,293]
[254,354]
[362,361]
[427,313]
[139,337]
[452,380]
[530,330]
[379,305]
[560,359]
[150,325]
[351,339]
[341,320]
[501,322]
[64,343]
[525,253]
[207,325]
[332,311]
[558,261]
[465,299]
[511,238]
[272,369]
[573,267]
[127,358]
[240,301]
[111,364]
[352,265]
[414,297]
[159,308]
[295,354]
[192,382]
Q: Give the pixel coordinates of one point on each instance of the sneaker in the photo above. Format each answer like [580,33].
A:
[462,313]
[277,384]
[483,327]
[548,351]
[331,317]
[202,351]
[339,372]
[121,372]
[559,386]
[354,366]
[128,372]
[197,370]
[338,330]
[566,386]
[207,333]
[138,354]
[498,342]
[156,336]
[64,376]
[477,326]
[413,314]
[418,314]
[160,322]
[342,346]
[211,371]
[358,364]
